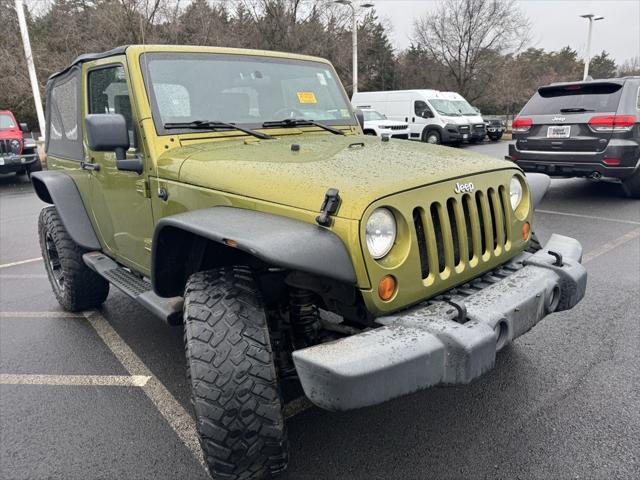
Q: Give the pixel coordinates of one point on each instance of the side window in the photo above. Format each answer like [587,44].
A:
[108,93]
[422,110]
[638,99]
[64,137]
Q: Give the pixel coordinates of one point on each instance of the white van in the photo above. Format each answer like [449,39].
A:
[431,117]
[476,122]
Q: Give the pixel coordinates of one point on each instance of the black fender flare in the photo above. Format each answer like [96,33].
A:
[538,185]
[275,240]
[57,188]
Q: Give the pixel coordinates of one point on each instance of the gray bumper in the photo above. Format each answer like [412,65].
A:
[425,345]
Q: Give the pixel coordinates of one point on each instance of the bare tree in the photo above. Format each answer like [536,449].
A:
[466,35]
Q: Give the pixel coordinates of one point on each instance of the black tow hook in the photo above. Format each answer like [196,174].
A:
[558,258]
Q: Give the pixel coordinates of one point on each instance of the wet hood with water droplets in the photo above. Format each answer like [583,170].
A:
[270,170]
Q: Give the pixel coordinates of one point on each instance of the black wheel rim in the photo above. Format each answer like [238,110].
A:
[53,262]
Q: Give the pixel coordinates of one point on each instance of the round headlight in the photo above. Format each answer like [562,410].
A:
[15,146]
[515,192]
[380,232]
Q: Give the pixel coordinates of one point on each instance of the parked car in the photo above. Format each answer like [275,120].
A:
[582,129]
[477,128]
[18,151]
[431,117]
[234,191]
[495,128]
[375,123]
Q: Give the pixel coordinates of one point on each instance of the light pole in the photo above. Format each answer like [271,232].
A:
[30,66]
[592,18]
[354,36]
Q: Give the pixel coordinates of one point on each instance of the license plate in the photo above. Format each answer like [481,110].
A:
[465,135]
[559,131]
[1,160]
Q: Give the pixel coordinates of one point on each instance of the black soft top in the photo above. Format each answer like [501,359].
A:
[88,57]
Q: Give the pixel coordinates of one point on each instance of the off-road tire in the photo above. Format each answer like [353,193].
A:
[432,134]
[230,365]
[79,287]
[631,185]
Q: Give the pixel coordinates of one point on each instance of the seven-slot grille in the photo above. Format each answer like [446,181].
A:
[5,147]
[395,127]
[471,227]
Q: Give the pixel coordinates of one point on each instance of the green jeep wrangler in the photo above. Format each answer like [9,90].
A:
[233,192]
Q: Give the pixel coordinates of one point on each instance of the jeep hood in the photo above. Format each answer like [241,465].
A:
[363,169]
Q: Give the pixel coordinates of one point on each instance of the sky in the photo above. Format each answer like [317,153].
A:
[554,23]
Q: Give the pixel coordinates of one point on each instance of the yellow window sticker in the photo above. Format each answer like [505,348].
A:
[307,97]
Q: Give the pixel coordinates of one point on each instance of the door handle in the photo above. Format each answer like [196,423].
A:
[413,119]
[94,167]
[406,119]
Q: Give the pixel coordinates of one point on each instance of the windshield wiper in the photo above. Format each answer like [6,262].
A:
[301,122]
[575,110]
[215,125]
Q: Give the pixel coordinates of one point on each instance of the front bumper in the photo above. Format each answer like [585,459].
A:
[15,162]
[452,133]
[580,164]
[427,345]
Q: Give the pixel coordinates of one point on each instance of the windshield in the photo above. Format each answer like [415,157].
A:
[464,108]
[6,122]
[373,115]
[249,90]
[444,107]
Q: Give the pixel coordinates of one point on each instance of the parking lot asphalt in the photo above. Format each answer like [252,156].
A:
[103,394]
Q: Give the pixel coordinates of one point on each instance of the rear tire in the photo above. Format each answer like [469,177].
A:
[75,285]
[631,185]
[230,365]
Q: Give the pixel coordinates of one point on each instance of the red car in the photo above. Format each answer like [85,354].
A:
[17,152]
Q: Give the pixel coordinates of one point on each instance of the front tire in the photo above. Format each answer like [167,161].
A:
[75,285]
[230,365]
[432,137]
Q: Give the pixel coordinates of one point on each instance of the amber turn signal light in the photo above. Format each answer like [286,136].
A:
[526,230]
[387,287]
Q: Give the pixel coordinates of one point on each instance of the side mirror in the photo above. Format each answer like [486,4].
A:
[427,114]
[108,133]
[360,117]
[24,128]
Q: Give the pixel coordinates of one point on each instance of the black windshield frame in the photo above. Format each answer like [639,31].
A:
[157,118]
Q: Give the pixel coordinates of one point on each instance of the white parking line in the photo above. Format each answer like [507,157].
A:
[607,247]
[590,217]
[21,262]
[82,380]
[40,315]
[177,417]
[14,276]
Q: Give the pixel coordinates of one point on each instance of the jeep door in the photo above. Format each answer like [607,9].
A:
[120,203]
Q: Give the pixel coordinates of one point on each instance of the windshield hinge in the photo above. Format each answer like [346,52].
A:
[142,187]
[329,207]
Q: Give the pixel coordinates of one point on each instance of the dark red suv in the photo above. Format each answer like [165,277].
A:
[582,129]
[17,150]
